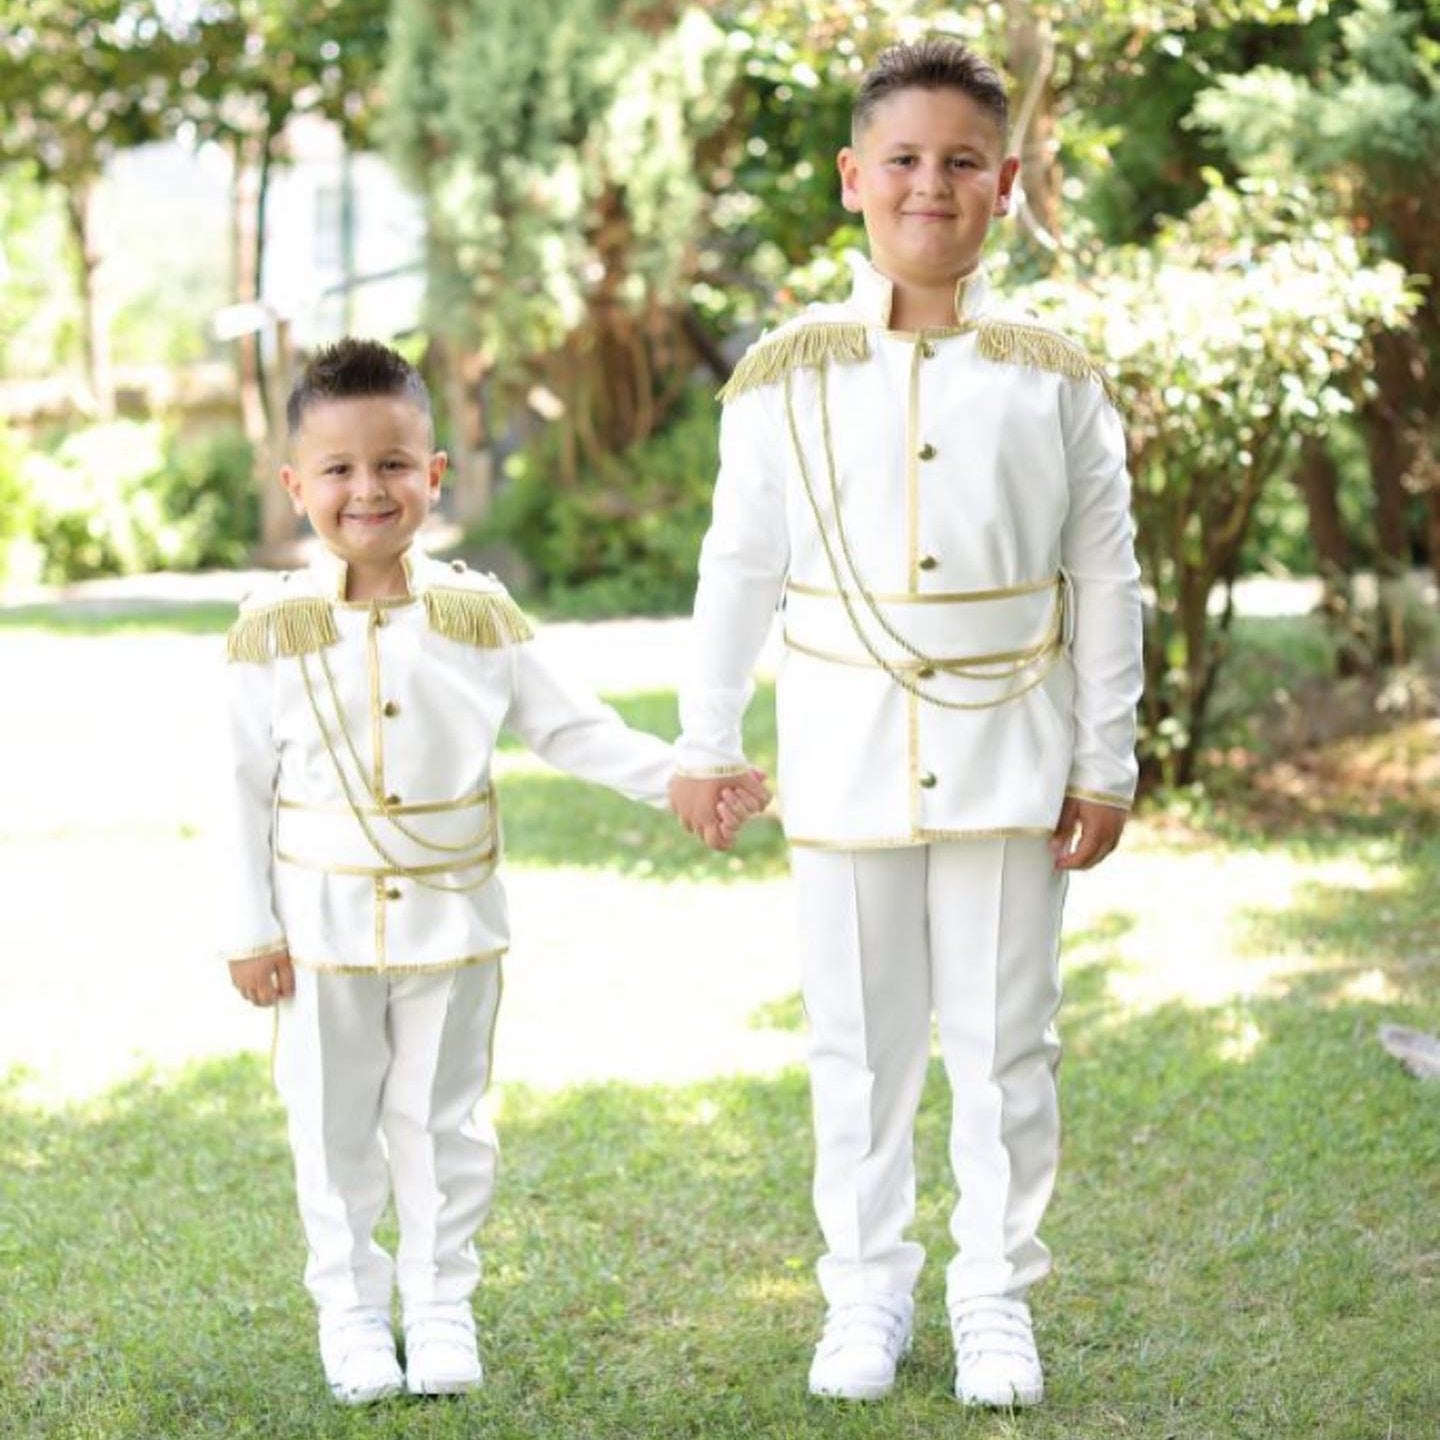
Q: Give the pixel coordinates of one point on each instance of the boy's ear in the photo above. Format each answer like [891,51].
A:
[291,481]
[848,164]
[439,464]
[1009,169]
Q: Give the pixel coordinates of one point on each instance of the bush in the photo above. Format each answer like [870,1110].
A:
[125,497]
[14,501]
[625,539]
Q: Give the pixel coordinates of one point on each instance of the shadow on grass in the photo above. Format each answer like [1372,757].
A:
[1246,1245]
[1391,924]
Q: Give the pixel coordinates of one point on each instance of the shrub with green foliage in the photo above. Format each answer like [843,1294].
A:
[14,501]
[625,539]
[1245,328]
[125,497]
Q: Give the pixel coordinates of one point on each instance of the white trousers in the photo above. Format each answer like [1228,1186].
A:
[969,929]
[384,1080]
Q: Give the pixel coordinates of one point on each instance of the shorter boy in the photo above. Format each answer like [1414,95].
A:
[365,696]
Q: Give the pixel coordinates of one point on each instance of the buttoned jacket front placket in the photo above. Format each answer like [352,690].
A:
[951,535]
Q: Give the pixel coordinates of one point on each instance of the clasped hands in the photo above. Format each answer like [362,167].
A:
[713,808]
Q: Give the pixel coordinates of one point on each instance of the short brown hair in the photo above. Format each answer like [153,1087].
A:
[935,63]
[352,369]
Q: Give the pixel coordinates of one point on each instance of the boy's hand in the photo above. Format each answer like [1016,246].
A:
[738,805]
[264,979]
[696,802]
[1085,833]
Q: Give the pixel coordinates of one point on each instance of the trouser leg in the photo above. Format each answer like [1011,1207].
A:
[995,909]
[441,1142]
[331,1056]
[866,989]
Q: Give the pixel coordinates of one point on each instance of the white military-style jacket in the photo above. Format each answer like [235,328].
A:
[944,517]
[360,826]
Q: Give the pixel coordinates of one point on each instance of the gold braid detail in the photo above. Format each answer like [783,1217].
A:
[302,625]
[800,348]
[1013,342]
[1046,653]
[378,801]
[408,871]
[1007,342]
[475,617]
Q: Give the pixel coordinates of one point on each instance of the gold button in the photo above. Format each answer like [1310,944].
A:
[392,799]
[389,709]
[928,451]
[458,566]
[927,350]
[928,562]
[927,781]
[926,672]
[392,892]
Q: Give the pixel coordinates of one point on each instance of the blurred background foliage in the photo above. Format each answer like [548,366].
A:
[1236,203]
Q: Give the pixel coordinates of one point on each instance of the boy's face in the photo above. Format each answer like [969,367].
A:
[928,173]
[363,471]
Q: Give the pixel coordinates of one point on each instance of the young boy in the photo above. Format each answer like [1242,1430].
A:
[365,696]
[938,493]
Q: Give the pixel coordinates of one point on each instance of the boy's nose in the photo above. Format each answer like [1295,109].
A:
[369,481]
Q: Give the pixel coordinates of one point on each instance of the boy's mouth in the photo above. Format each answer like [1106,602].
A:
[368,517]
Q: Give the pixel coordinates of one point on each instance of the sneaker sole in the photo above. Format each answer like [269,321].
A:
[444,1387]
[1019,1400]
[371,1395]
[854,1392]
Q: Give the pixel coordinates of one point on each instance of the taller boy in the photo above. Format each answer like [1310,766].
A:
[938,492]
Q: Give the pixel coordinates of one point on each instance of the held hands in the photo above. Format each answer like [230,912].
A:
[264,979]
[1085,833]
[713,809]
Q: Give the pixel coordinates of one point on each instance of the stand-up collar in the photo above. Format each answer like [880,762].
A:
[331,572]
[873,294]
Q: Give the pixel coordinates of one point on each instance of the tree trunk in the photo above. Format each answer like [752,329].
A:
[95,319]
[472,467]
[279,525]
[1031,55]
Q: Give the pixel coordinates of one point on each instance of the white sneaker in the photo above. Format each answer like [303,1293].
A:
[441,1356]
[357,1349]
[861,1346]
[996,1363]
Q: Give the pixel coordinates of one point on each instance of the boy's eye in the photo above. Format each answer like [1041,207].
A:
[962,162]
[336,469]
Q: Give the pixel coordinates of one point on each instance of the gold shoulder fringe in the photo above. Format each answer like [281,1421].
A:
[289,627]
[1015,343]
[476,617]
[796,348]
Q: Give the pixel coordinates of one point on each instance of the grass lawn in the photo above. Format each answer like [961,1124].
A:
[1247,1228]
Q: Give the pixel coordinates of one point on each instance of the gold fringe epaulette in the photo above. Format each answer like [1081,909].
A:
[1013,342]
[299,626]
[476,617]
[800,347]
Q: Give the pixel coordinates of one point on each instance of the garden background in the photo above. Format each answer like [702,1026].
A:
[574,214]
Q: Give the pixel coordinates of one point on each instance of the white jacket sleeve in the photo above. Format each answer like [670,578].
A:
[249,925]
[1097,550]
[743,561]
[570,728]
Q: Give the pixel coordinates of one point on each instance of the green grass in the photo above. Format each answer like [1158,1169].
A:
[1245,1228]
[1247,1248]
[551,819]
[120,617]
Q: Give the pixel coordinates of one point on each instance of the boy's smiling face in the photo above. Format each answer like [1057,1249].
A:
[365,474]
[928,172]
